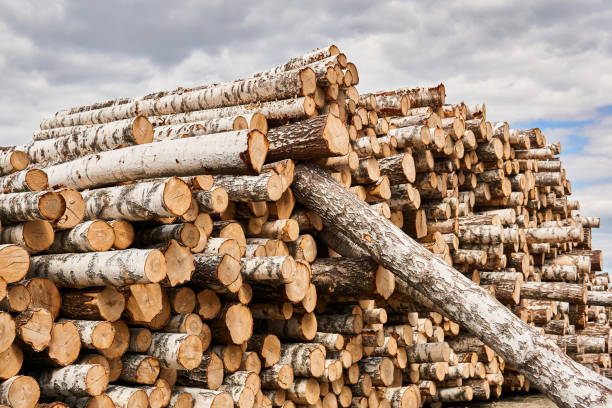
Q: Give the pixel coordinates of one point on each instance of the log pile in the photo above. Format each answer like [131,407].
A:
[166,250]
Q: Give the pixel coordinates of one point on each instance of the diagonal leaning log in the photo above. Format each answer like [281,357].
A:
[568,383]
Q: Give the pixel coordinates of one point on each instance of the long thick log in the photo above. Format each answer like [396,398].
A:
[138,201]
[118,268]
[241,151]
[319,137]
[297,82]
[568,383]
[43,205]
[91,140]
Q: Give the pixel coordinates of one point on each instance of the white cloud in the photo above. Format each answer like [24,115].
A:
[527,61]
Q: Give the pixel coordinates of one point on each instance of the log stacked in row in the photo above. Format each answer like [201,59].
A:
[153,253]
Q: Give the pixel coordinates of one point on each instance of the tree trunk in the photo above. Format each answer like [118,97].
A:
[80,380]
[269,271]
[139,368]
[90,236]
[88,141]
[185,234]
[306,359]
[264,187]
[564,292]
[117,268]
[319,137]
[175,350]
[208,374]
[94,334]
[127,397]
[218,272]
[104,303]
[279,376]
[242,151]
[299,82]
[566,382]
[24,181]
[138,201]
[18,207]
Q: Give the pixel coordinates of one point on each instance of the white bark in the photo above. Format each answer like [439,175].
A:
[89,236]
[285,85]
[138,201]
[117,268]
[241,151]
[88,141]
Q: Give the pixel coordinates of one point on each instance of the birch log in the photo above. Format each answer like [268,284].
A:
[284,85]
[44,205]
[178,351]
[117,268]
[135,129]
[138,201]
[25,180]
[322,136]
[14,262]
[89,236]
[80,380]
[256,113]
[34,235]
[12,161]
[242,151]
[568,383]
[19,392]
[89,141]
[264,187]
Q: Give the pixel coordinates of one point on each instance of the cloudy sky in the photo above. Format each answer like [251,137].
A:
[546,63]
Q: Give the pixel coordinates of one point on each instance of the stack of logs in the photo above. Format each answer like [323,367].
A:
[152,252]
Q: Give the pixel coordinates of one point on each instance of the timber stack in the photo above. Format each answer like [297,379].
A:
[153,252]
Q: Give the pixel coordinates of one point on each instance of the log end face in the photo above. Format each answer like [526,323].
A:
[51,206]
[36,180]
[239,323]
[142,130]
[214,373]
[257,151]
[229,270]
[223,400]
[75,209]
[65,343]
[258,121]
[96,380]
[103,335]
[110,303]
[100,236]
[14,263]
[38,235]
[190,352]
[155,266]
[177,196]
[336,134]
[309,81]
[240,123]
[23,392]
[190,235]
[19,160]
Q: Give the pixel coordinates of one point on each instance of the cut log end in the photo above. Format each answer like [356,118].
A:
[155,266]
[75,209]
[14,263]
[142,130]
[38,235]
[100,236]
[257,150]
[124,234]
[96,380]
[51,205]
[23,392]
[308,79]
[177,196]
[239,323]
[259,122]
[36,180]
[19,160]
[337,136]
